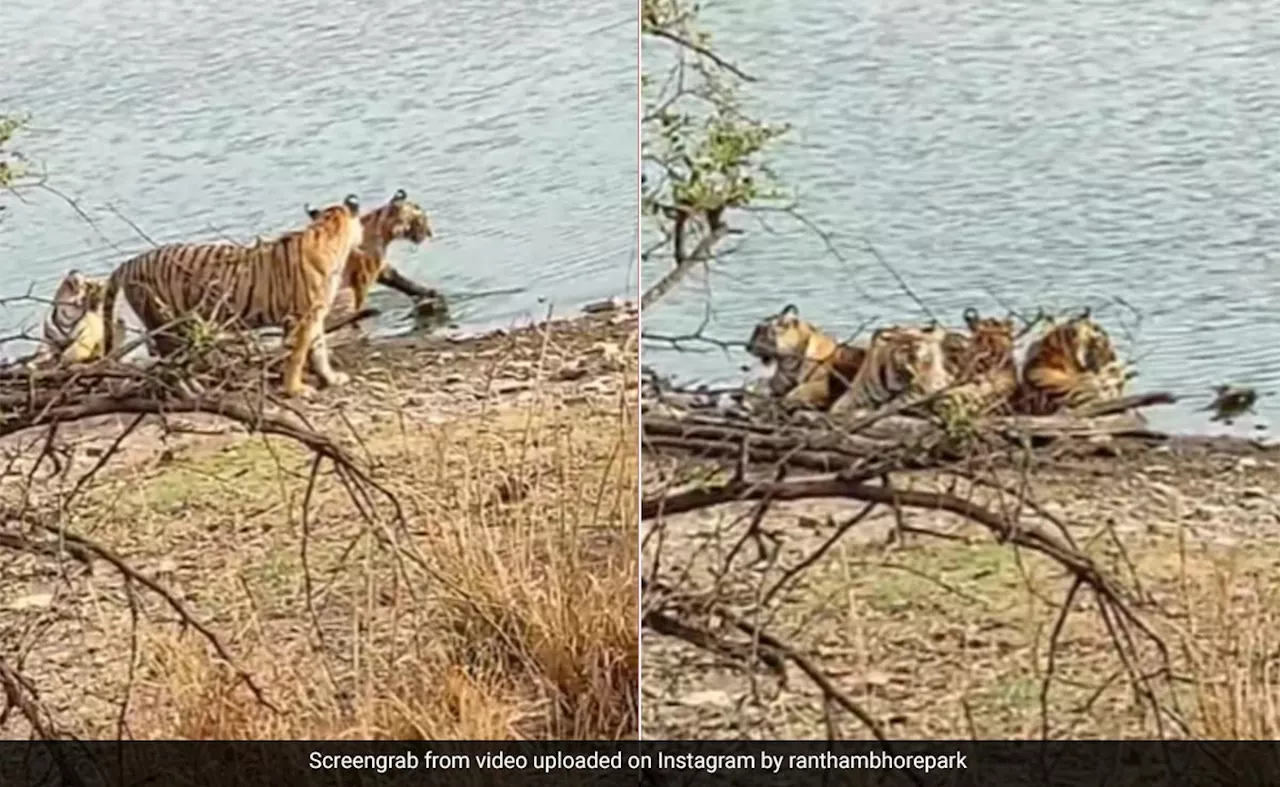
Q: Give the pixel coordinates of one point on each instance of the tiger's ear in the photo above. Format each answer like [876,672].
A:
[971,318]
[312,213]
[73,281]
[1085,313]
[399,196]
[352,203]
[789,310]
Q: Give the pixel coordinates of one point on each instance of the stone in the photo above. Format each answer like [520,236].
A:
[710,697]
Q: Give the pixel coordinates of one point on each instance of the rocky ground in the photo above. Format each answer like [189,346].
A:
[948,636]
[511,456]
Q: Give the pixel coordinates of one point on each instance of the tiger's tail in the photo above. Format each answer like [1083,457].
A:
[112,333]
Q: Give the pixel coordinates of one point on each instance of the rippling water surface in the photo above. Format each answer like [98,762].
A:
[1000,154]
[512,123]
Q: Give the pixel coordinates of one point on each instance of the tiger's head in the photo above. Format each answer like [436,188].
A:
[350,207]
[1082,343]
[339,222]
[990,345]
[76,296]
[780,336]
[914,359]
[781,341]
[399,218]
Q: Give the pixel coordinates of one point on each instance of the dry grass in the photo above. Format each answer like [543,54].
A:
[1231,648]
[516,617]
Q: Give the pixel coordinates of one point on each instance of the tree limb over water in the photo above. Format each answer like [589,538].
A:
[701,153]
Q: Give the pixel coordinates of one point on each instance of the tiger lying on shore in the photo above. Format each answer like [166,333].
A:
[900,362]
[288,282]
[73,330]
[981,366]
[398,219]
[1071,365]
[811,369]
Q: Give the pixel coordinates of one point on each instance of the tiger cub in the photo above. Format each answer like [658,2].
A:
[811,369]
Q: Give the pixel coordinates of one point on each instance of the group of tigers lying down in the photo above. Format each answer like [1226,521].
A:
[951,373]
[301,282]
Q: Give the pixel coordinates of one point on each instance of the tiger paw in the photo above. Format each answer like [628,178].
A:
[300,391]
[336,379]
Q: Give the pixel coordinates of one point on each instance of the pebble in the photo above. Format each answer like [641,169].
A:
[32,601]
[606,305]
[571,371]
[710,697]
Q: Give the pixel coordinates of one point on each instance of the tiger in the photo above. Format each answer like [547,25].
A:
[73,330]
[982,367]
[288,282]
[900,361]
[812,369]
[397,219]
[1071,365]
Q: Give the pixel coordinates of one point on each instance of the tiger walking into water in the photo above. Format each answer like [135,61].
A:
[398,219]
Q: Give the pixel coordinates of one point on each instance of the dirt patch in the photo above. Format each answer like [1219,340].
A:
[481,585]
[948,635]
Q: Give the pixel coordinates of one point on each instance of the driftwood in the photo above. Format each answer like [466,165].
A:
[430,306]
[341,321]
[390,277]
[718,425]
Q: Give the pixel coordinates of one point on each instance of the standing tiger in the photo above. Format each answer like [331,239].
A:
[981,365]
[1071,365]
[811,368]
[288,282]
[396,220]
[73,330]
[901,361]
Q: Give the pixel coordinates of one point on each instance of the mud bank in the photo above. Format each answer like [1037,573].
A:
[511,460]
[947,635]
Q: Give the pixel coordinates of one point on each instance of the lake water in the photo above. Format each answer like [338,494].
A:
[998,153]
[512,123]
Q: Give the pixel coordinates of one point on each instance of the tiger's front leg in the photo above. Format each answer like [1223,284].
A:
[320,354]
[299,339]
[809,395]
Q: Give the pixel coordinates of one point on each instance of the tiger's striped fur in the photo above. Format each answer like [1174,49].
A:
[398,219]
[1071,365]
[812,369]
[73,330]
[288,282]
[901,362]
[983,369]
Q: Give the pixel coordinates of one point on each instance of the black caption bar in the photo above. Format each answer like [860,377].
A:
[675,763]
